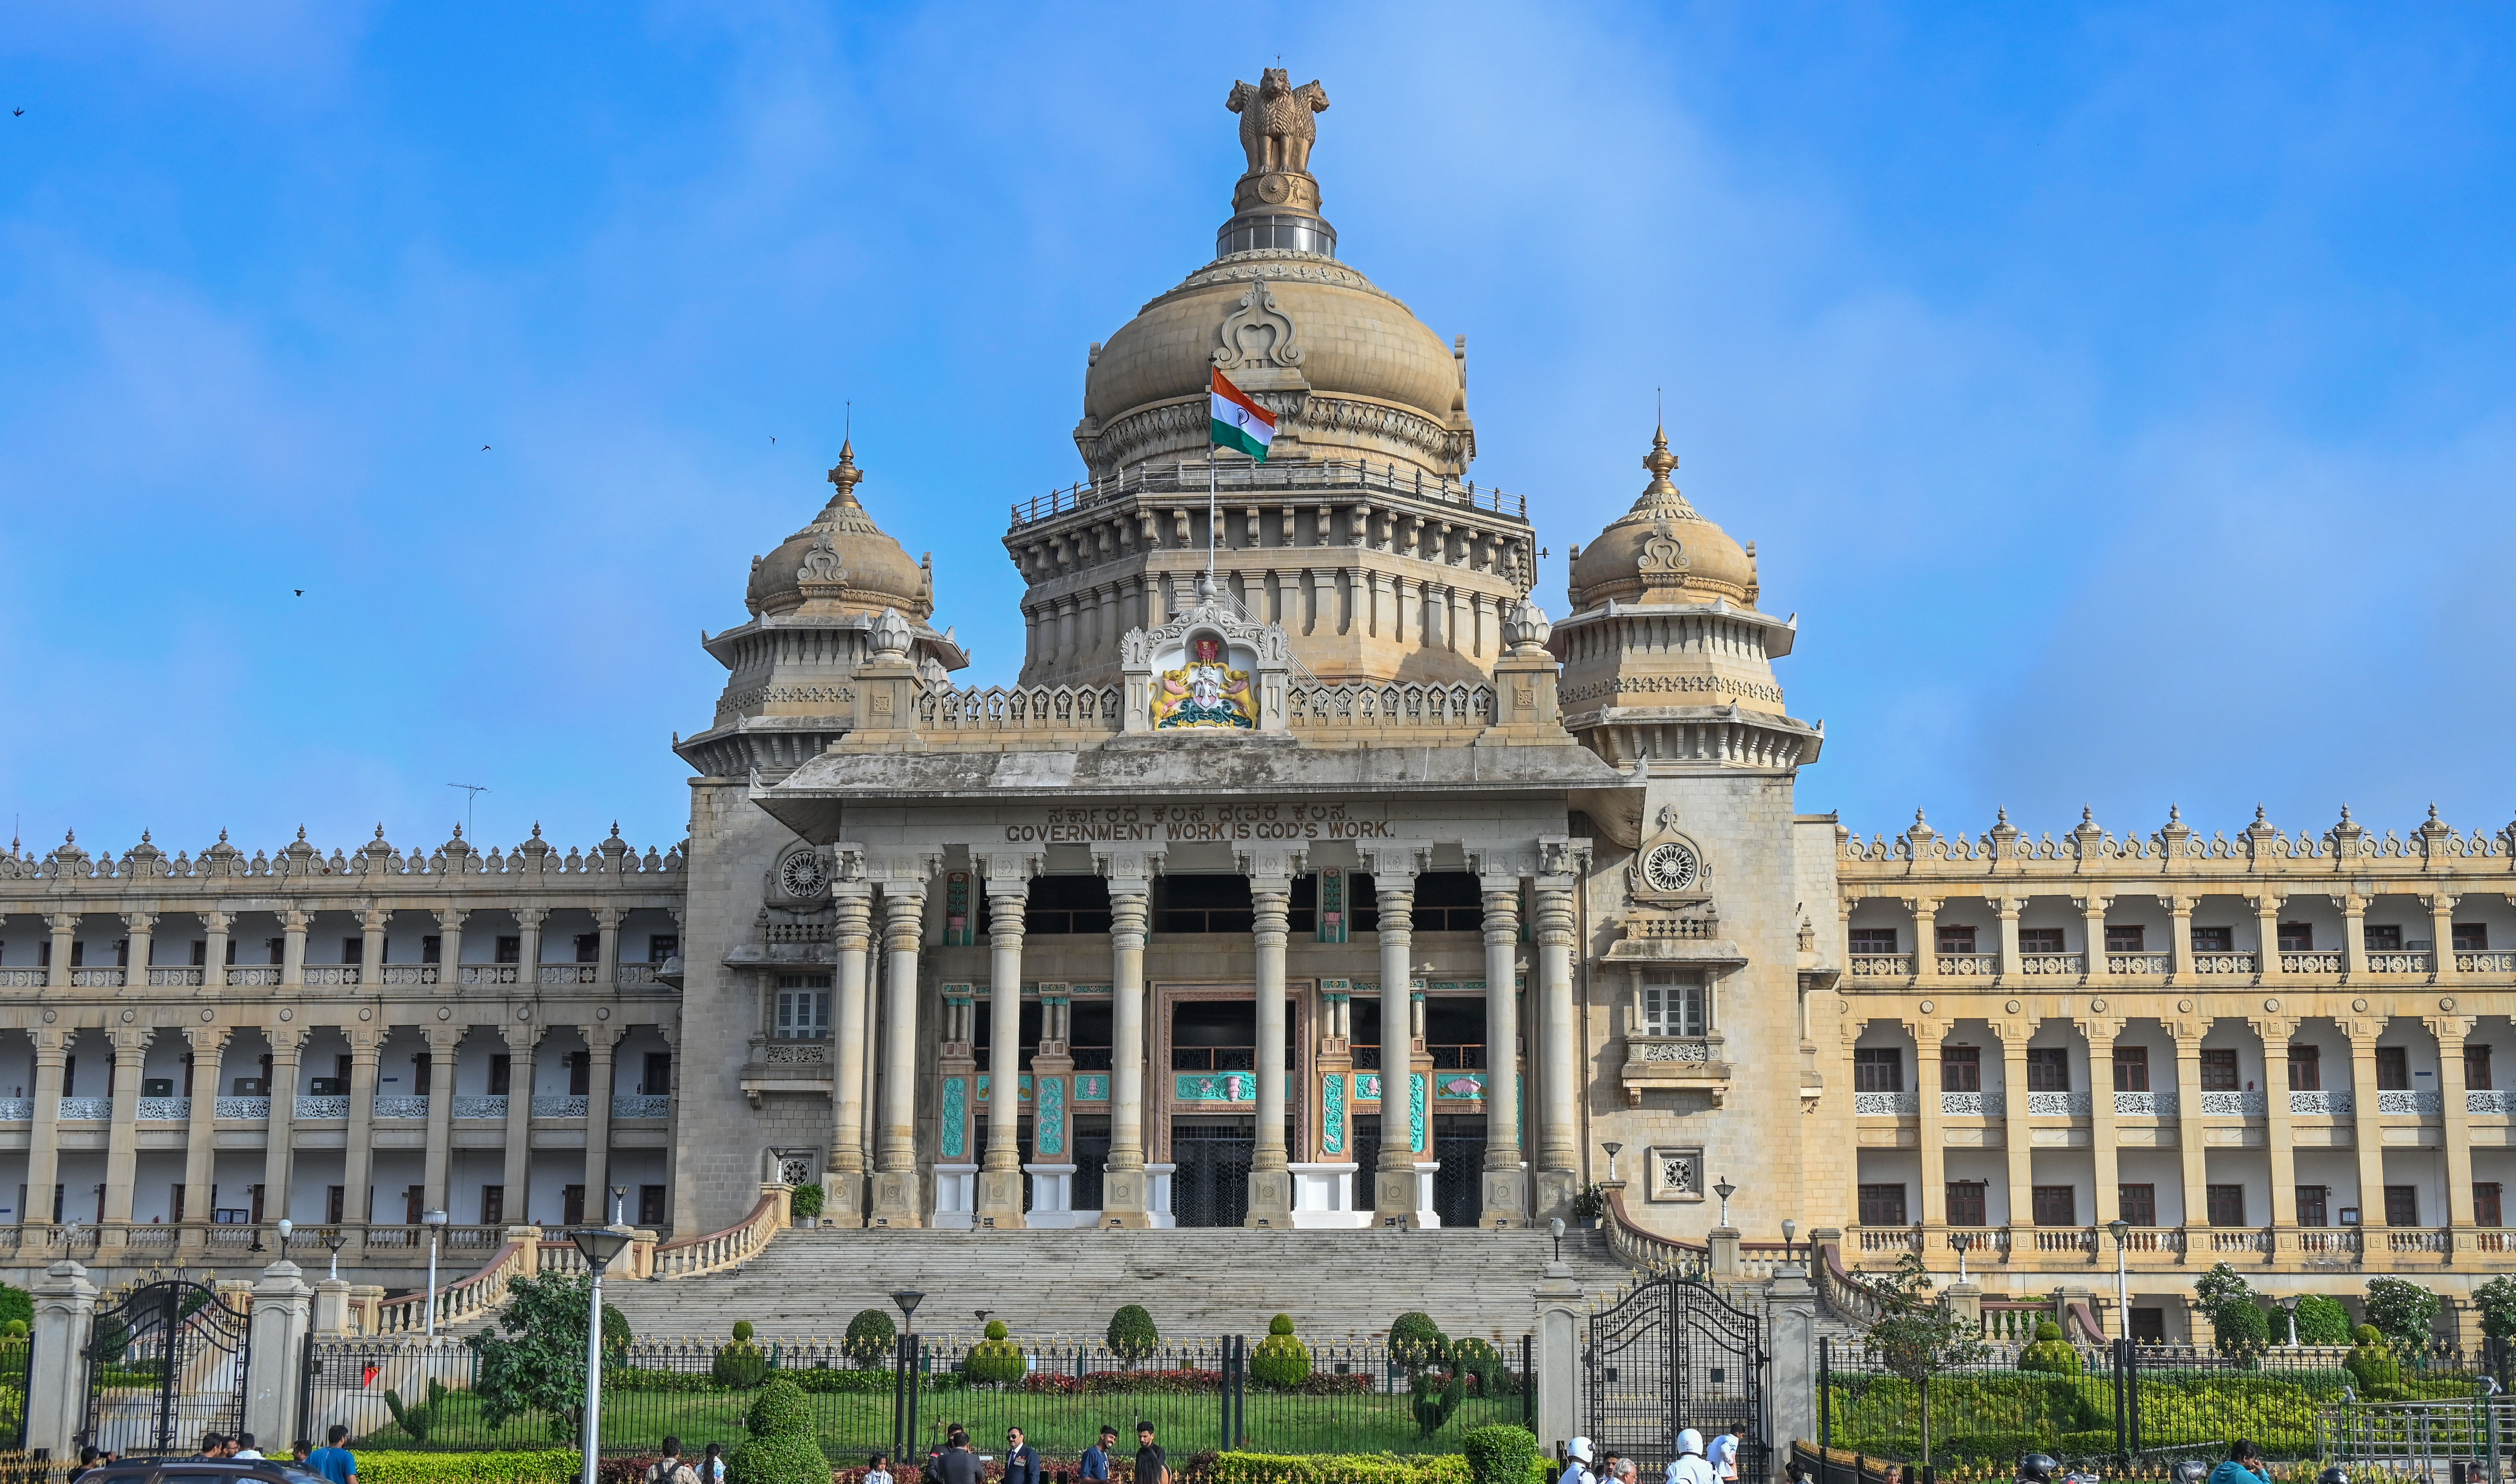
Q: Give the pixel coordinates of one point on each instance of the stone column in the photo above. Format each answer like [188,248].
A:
[601,1038]
[214,952]
[443,1040]
[1559,1151]
[1393,885]
[2092,927]
[607,954]
[142,928]
[1930,1109]
[2279,1144]
[2441,905]
[1927,938]
[2020,1153]
[209,1044]
[2267,910]
[516,1171]
[1506,1183]
[2179,930]
[1000,1175]
[276,1364]
[287,1042]
[44,1145]
[123,1141]
[1792,1309]
[1125,1194]
[2188,1121]
[843,1185]
[1271,1179]
[292,951]
[357,1193]
[2366,1138]
[372,946]
[2009,908]
[65,927]
[895,1184]
[56,1388]
[2104,1171]
[1560,1325]
[2354,942]
[2450,1030]
[449,945]
[529,948]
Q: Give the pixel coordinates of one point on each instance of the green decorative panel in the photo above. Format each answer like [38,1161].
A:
[956,1119]
[1092,1087]
[1332,1115]
[1048,1126]
[1415,1112]
[1460,1087]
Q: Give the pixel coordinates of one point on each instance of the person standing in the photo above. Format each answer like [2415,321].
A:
[1578,1468]
[334,1461]
[1022,1460]
[1690,1467]
[957,1465]
[1152,1466]
[1724,1457]
[244,1448]
[1095,1459]
[877,1467]
[670,1470]
[712,1465]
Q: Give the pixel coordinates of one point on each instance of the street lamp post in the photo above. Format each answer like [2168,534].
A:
[1790,1229]
[285,1227]
[1725,1190]
[333,1238]
[600,1246]
[435,1221]
[904,1378]
[1960,1242]
[2121,1230]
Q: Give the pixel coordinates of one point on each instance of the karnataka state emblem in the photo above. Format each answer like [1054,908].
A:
[1205,693]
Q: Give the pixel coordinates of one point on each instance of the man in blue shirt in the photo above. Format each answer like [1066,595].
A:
[334,1461]
[1095,1459]
[2245,1466]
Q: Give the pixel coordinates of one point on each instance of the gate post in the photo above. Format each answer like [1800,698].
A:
[275,1354]
[1790,1306]
[1558,1377]
[57,1381]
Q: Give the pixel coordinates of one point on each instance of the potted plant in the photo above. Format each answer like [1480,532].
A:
[807,1205]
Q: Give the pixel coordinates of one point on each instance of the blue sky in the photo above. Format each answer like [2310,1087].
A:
[2120,394]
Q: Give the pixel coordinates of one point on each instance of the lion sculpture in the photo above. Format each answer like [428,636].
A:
[1276,124]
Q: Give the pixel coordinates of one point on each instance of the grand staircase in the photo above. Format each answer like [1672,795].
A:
[806,1285]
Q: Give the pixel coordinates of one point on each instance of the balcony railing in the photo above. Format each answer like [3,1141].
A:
[165,1110]
[253,975]
[1882,966]
[2485,962]
[2490,1103]
[2309,962]
[178,977]
[1187,477]
[2059,1105]
[1974,1105]
[86,1108]
[2051,966]
[2143,963]
[399,1107]
[2390,962]
[2146,1105]
[1886,1104]
[2406,1101]
[1970,965]
[2325,1104]
[2244,1105]
[639,1105]
[559,1107]
[96,979]
[491,1107]
[2223,963]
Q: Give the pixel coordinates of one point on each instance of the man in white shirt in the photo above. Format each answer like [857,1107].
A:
[1724,1457]
[1578,1467]
[1690,1466]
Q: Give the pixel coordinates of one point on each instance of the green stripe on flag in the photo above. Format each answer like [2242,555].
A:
[1225,435]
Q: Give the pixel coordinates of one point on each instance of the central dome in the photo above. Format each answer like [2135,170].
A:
[1350,371]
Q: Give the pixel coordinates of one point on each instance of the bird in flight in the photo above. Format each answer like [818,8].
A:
[484,447]
[17,114]
[301,592]
[772,438]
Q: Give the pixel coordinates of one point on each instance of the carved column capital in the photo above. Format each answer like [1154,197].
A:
[140,922]
[207,1041]
[531,916]
[609,917]
[451,919]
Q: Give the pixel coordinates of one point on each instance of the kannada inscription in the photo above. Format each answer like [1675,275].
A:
[1146,824]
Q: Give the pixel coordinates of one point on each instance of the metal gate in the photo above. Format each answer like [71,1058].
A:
[166,1363]
[1673,1354]
[1210,1172]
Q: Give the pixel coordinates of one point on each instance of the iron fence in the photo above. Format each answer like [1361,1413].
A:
[1205,1393]
[2133,1404]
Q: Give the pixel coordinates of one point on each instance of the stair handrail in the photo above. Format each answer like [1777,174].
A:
[2077,1315]
[456,1302]
[1840,1290]
[737,1244]
[1649,1249]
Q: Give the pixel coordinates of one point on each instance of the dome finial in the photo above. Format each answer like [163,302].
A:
[844,474]
[1659,494]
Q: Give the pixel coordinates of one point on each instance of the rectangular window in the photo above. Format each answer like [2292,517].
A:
[335,1200]
[200,951]
[2131,1069]
[2297,937]
[2219,1071]
[2476,1067]
[658,1081]
[1882,1206]
[2314,1205]
[2226,1204]
[423,1068]
[78,955]
[2039,940]
[493,1206]
[2471,936]
[571,1209]
[2214,940]
[589,947]
[414,1200]
[353,949]
[650,1205]
[1965,1203]
[2139,1204]
[2393,1069]
[1448,902]
[1068,905]
[1961,1069]
[431,948]
[2048,1069]
[581,1072]
[2385,937]
[2485,1203]
[2401,1206]
[803,1011]
[1874,940]
[2129,938]
[501,1068]
[1673,1005]
[1878,1068]
[663,945]
[1957,939]
[2305,1069]
[1203,903]
[2057,1206]
[510,948]
[2148,1327]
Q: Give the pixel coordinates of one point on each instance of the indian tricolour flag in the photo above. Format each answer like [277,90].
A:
[1239,421]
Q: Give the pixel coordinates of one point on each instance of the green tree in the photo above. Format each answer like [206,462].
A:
[2403,1312]
[2323,1320]
[1499,1455]
[2217,1287]
[1132,1334]
[1917,1338]
[538,1364]
[806,1200]
[780,1447]
[2496,1302]
[17,1303]
[871,1340]
[1281,1360]
[2239,1327]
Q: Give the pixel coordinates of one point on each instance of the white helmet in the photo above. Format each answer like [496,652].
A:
[1690,1441]
[1579,1449]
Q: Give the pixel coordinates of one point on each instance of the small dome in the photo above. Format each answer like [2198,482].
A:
[1661,551]
[842,561]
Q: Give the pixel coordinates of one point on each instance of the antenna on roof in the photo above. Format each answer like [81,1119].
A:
[469,805]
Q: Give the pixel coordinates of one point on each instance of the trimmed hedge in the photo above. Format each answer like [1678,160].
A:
[1356,1468]
[546,1465]
[1500,1455]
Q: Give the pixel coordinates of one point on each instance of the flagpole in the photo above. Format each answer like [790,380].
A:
[1209,514]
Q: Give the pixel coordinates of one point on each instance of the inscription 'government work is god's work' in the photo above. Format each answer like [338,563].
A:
[1146,822]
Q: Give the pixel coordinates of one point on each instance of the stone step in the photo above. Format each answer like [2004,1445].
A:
[1197,1283]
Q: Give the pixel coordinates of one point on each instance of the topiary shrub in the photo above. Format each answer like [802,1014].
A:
[2241,1328]
[2050,1353]
[2372,1365]
[1474,1358]
[416,1421]
[14,1328]
[806,1200]
[17,1306]
[781,1448]
[1414,1341]
[1281,1360]
[994,1361]
[740,1364]
[1435,1395]
[2323,1320]
[871,1340]
[1132,1335]
[1499,1455]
